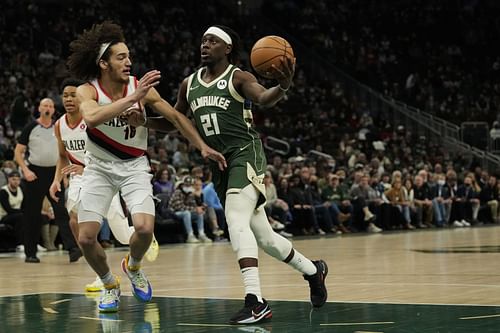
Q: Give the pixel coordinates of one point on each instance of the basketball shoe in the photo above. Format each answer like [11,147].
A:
[95,286]
[141,288]
[153,250]
[110,297]
[317,286]
[253,311]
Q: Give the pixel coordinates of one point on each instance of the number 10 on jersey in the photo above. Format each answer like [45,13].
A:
[210,124]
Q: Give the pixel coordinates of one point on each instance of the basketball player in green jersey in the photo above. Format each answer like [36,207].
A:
[218,95]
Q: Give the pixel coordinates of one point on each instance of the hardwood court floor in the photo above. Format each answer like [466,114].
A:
[392,282]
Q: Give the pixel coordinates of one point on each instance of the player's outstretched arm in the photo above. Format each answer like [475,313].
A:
[95,114]
[247,84]
[184,125]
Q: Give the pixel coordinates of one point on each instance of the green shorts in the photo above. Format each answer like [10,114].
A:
[244,166]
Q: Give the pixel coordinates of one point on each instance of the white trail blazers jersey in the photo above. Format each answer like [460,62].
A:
[115,139]
[73,138]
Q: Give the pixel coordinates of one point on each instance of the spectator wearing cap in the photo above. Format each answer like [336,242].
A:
[11,198]
[184,206]
[337,200]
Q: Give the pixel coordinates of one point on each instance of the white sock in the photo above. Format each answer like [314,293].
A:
[251,281]
[108,279]
[132,262]
[302,264]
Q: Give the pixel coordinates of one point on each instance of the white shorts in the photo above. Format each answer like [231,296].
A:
[102,180]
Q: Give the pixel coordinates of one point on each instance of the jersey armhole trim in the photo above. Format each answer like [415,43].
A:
[190,81]
[232,90]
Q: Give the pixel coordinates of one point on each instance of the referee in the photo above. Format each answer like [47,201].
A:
[38,139]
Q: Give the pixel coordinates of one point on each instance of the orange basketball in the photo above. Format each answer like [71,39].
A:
[267,51]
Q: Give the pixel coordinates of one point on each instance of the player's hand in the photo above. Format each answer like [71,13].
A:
[284,73]
[29,175]
[134,117]
[148,81]
[53,190]
[72,169]
[214,155]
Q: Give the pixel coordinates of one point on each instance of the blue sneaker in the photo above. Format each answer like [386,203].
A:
[110,298]
[141,288]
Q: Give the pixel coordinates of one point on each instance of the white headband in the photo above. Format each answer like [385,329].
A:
[219,33]
[104,47]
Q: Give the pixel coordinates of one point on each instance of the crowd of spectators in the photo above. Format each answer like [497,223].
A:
[440,56]
[374,180]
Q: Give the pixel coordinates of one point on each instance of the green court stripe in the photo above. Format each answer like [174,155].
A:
[60,301]
[481,317]
[353,324]
[205,325]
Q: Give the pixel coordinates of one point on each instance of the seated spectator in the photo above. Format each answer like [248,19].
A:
[11,198]
[200,202]
[441,202]
[468,199]
[364,200]
[163,183]
[302,208]
[423,202]
[215,210]
[337,200]
[489,198]
[183,204]
[409,196]
[276,209]
[396,197]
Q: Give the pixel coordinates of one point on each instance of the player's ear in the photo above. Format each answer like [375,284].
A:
[229,48]
[103,64]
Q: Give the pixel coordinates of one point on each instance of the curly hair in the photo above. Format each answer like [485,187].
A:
[85,49]
[232,57]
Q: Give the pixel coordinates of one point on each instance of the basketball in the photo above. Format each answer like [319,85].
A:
[269,51]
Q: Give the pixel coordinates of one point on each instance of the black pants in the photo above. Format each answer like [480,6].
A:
[34,193]
[16,221]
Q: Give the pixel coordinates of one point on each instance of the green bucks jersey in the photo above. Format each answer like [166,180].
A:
[219,111]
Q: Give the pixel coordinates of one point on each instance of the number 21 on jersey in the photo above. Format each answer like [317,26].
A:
[210,124]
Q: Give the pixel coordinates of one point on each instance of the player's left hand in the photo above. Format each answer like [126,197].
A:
[72,169]
[214,155]
[284,73]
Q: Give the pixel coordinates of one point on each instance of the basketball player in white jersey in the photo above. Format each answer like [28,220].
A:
[70,131]
[115,159]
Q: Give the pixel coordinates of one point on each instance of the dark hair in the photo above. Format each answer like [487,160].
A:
[85,49]
[72,82]
[233,56]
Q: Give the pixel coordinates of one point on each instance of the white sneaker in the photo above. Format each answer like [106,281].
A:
[204,239]
[153,250]
[369,216]
[218,232]
[373,228]
[276,225]
[20,248]
[321,232]
[465,223]
[192,239]
[94,286]
[285,234]
[41,248]
[458,224]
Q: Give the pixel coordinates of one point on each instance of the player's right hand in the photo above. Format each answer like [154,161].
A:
[30,175]
[54,188]
[148,81]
